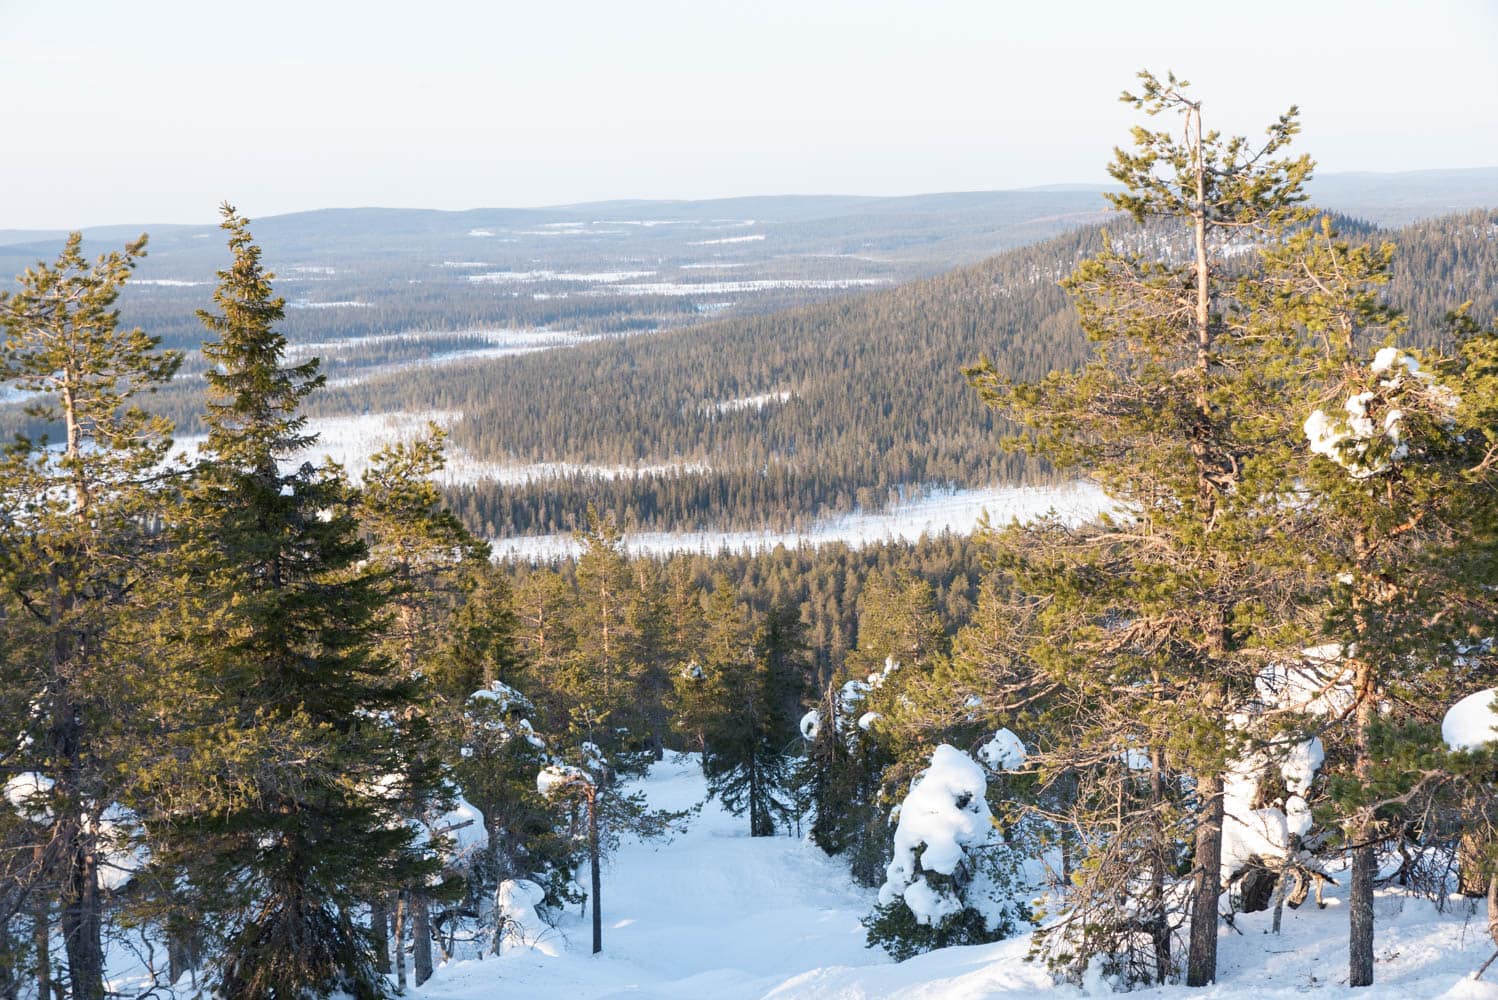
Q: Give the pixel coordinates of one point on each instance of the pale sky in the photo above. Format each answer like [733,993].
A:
[154,111]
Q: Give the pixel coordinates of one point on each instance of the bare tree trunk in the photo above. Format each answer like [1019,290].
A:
[379,926]
[1493,907]
[9,981]
[1158,918]
[1206,884]
[41,934]
[400,943]
[1472,880]
[1364,858]
[421,938]
[594,873]
[82,926]
[1360,913]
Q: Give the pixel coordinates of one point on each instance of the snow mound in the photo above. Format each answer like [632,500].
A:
[1005,752]
[1471,722]
[944,814]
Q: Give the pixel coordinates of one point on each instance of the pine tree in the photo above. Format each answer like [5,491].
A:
[292,816]
[74,547]
[1160,615]
[1401,532]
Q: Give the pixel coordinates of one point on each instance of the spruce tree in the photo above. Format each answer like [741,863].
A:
[293,816]
[750,677]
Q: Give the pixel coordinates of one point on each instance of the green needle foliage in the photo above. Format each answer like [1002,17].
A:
[292,816]
[75,540]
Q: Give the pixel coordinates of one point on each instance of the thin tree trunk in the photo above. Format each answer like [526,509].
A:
[1206,884]
[594,872]
[421,938]
[82,927]
[1364,858]
[1159,919]
[41,934]
[400,943]
[9,984]
[1493,907]
[379,926]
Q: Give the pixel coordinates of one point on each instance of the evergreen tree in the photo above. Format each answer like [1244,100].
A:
[293,816]
[74,551]
[420,548]
[751,678]
[1161,617]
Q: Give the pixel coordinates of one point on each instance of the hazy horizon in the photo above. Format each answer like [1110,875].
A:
[131,115]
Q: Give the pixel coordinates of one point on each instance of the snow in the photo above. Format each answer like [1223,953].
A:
[1352,440]
[729,239]
[1471,722]
[727,287]
[554,778]
[811,725]
[956,511]
[717,914]
[758,402]
[27,794]
[713,913]
[463,824]
[1005,752]
[529,277]
[522,925]
[944,815]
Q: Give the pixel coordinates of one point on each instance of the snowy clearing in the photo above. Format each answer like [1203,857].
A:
[727,287]
[715,913]
[727,239]
[948,510]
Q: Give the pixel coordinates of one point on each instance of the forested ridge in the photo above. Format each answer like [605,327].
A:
[876,397]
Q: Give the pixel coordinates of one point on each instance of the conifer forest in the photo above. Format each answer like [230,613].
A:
[552,687]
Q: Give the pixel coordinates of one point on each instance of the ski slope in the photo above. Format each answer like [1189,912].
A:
[715,914]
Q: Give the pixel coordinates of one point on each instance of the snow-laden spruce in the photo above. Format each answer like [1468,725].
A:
[948,880]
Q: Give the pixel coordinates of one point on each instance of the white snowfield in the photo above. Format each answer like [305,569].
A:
[941,511]
[717,915]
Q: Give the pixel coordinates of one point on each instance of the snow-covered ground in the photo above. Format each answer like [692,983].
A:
[712,914]
[353,441]
[955,511]
[716,914]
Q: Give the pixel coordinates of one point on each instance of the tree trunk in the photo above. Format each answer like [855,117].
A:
[41,935]
[379,927]
[1360,913]
[1493,907]
[1159,919]
[9,986]
[421,938]
[1206,884]
[1364,859]
[1471,863]
[594,873]
[82,928]
[182,945]
[400,943]
[1257,887]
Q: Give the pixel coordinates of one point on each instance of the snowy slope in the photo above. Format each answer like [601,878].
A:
[713,913]
[716,914]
